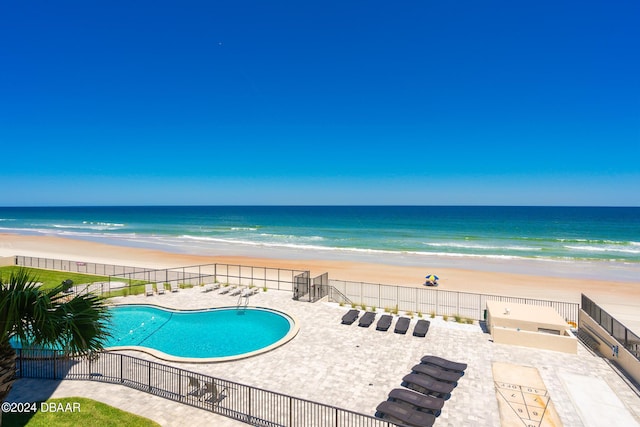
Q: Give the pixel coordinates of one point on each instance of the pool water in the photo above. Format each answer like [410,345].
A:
[210,333]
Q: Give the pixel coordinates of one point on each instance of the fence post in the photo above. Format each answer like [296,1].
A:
[626,339]
[149,364]
[249,408]
[121,369]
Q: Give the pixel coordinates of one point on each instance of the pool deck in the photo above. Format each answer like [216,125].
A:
[355,368]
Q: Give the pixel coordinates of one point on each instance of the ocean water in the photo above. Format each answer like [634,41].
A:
[574,241]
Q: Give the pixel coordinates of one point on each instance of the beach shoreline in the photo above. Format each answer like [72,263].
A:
[540,286]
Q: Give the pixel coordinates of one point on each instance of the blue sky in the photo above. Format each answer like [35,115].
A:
[331,102]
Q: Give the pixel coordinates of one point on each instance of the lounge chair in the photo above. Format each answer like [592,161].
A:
[402,325]
[160,288]
[236,292]
[395,412]
[215,396]
[148,289]
[384,323]
[227,289]
[175,287]
[427,385]
[421,329]
[350,317]
[437,373]
[424,402]
[247,292]
[367,319]
[444,363]
[195,388]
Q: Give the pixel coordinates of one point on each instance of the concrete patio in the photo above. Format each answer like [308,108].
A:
[355,368]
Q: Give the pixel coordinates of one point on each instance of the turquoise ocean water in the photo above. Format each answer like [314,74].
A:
[573,241]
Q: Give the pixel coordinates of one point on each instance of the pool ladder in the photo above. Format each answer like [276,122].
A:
[241,297]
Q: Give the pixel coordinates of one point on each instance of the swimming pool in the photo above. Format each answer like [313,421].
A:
[211,335]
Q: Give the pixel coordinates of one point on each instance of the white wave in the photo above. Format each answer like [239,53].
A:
[471,246]
[98,226]
[603,249]
[344,249]
[109,224]
[244,228]
[292,237]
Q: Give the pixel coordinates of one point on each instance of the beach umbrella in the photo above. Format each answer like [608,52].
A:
[431,277]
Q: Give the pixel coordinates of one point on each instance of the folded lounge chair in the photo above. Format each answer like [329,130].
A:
[399,413]
[215,396]
[421,329]
[160,288]
[444,363]
[437,373]
[367,319]
[421,401]
[427,385]
[148,289]
[175,287]
[402,325]
[384,323]
[350,317]
[195,388]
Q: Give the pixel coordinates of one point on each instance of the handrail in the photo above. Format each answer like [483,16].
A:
[246,403]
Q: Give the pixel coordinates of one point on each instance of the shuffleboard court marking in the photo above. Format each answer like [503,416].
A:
[523,399]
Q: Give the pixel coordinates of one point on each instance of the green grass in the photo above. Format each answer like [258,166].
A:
[125,292]
[91,413]
[52,278]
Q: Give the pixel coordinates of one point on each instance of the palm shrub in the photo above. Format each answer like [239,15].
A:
[77,324]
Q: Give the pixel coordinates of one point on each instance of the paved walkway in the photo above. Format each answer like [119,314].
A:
[355,368]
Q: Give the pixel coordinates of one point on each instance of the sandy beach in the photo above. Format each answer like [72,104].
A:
[532,286]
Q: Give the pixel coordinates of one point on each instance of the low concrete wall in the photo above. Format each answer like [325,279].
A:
[566,343]
[625,359]
[7,260]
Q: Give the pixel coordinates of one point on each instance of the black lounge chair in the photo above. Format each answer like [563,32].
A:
[350,317]
[421,329]
[384,323]
[420,401]
[437,373]
[367,319]
[427,385]
[444,363]
[402,325]
[399,413]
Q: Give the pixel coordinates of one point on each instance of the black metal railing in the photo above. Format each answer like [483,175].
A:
[617,330]
[419,300]
[134,278]
[245,403]
[428,300]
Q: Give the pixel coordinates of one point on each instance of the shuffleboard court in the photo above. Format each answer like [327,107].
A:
[523,398]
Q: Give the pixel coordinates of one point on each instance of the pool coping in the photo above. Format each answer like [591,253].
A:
[293,331]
